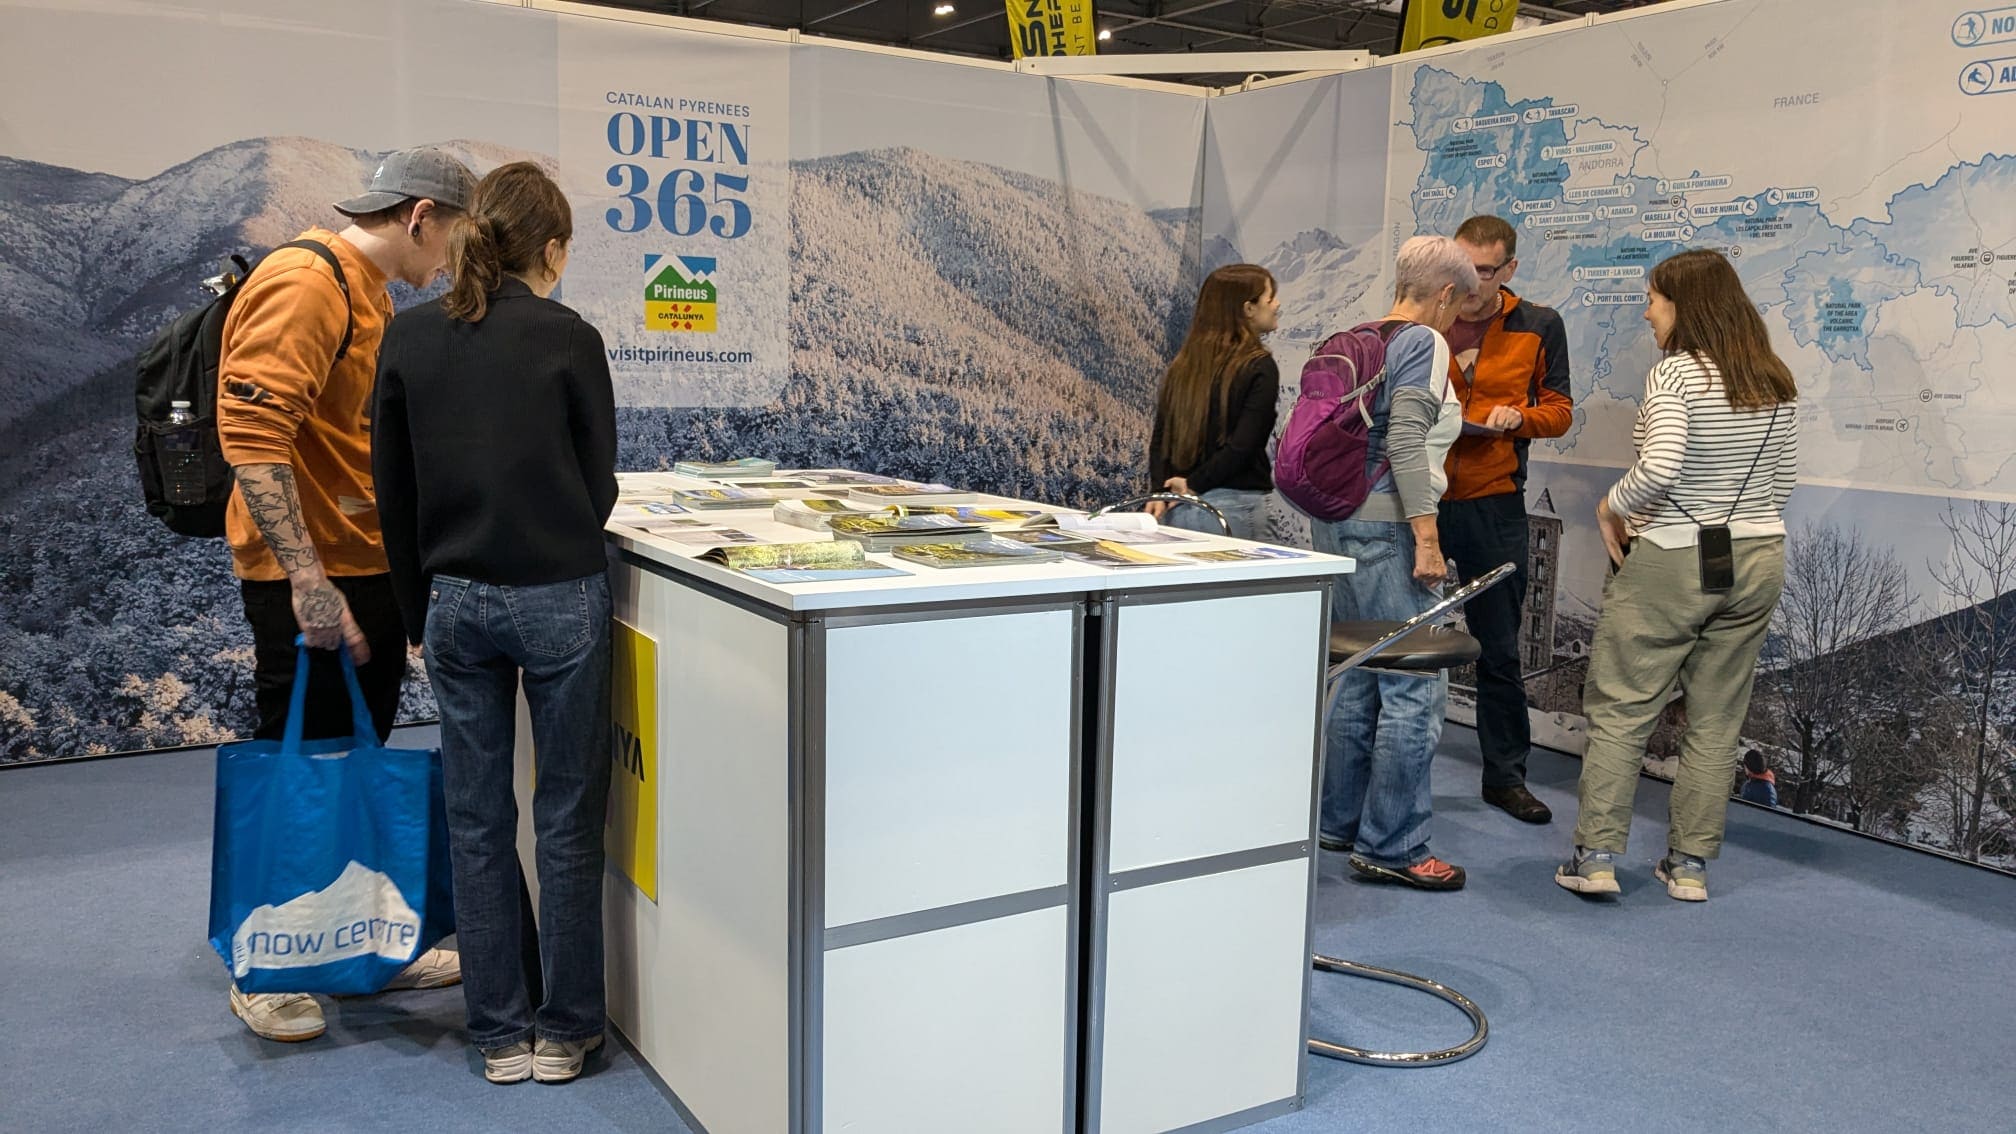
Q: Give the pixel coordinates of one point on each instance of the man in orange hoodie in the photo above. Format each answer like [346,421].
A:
[293,418]
[1513,358]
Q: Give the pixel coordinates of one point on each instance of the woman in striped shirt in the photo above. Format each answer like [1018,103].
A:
[1696,536]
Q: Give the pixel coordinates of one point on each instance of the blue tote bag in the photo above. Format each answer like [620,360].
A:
[329,865]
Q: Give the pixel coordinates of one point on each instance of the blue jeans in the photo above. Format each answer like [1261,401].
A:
[479,638]
[1384,729]
[1242,508]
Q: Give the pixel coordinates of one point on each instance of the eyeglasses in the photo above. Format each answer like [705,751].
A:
[1491,272]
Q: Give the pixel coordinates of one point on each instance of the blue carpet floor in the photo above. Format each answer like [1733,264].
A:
[1830,984]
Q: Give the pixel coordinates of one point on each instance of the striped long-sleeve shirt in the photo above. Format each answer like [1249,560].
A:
[1694,454]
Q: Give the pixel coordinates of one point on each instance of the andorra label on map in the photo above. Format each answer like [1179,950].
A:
[1886,275]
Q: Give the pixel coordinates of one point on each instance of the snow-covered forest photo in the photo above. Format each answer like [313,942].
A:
[950,320]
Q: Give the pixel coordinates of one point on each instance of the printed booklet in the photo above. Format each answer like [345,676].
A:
[815,513]
[968,514]
[724,497]
[1238,554]
[1106,553]
[909,494]
[837,477]
[820,561]
[716,470]
[978,553]
[882,532]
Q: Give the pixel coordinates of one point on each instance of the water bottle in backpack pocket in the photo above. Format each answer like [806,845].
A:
[183,474]
[1322,464]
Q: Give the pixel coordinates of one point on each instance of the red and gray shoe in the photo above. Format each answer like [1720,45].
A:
[1430,873]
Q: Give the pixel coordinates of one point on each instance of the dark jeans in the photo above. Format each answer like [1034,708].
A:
[480,638]
[1479,535]
[269,607]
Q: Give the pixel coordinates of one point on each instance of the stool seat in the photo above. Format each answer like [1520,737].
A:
[1427,649]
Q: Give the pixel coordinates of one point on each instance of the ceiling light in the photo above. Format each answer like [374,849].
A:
[1105,34]
[943,10]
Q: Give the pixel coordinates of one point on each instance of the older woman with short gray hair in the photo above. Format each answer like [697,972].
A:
[1384,729]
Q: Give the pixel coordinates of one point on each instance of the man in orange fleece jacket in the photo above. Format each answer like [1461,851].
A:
[1514,387]
[293,418]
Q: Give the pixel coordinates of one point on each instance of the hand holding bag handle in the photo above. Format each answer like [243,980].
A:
[363,730]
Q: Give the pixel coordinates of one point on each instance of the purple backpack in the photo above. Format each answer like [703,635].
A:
[1320,464]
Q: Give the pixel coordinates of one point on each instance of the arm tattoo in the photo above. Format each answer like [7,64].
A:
[275,505]
[320,607]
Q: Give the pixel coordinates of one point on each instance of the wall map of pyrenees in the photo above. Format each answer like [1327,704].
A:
[908,355]
[1864,196]
[1894,302]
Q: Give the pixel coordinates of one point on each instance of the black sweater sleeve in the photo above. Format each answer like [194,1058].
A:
[394,484]
[1252,423]
[592,409]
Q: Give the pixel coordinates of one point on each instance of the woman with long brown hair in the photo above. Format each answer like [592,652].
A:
[494,452]
[1215,410]
[1696,536]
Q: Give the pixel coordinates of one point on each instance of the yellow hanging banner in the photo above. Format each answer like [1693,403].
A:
[632,830]
[1432,23]
[1051,27]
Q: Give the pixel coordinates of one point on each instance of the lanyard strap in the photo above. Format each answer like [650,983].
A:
[1769,429]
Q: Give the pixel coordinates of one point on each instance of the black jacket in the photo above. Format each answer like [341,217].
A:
[493,446]
[1235,451]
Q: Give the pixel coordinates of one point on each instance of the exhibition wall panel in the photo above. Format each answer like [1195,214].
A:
[795,250]
[1849,181]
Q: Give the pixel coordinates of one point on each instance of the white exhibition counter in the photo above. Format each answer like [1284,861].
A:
[984,849]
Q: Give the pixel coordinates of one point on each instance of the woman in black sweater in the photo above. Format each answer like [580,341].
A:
[494,451]
[1215,410]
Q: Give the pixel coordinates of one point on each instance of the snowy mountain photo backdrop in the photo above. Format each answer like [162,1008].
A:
[951,320]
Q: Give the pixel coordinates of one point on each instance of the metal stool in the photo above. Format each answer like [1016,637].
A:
[1134,503]
[1417,647]
[1414,648]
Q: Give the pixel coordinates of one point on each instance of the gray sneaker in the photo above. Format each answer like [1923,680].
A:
[511,1063]
[1589,872]
[1686,877]
[559,1061]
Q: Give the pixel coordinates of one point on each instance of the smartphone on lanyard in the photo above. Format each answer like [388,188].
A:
[1718,560]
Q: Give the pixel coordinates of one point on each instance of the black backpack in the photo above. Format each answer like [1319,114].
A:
[183,473]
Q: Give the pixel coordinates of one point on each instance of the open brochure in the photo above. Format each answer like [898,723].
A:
[766,484]
[662,524]
[1106,553]
[882,531]
[816,513]
[977,553]
[969,514]
[839,477]
[705,537]
[1043,537]
[1098,526]
[723,497]
[909,494]
[635,512]
[820,561]
[716,470]
[1158,535]
[1242,554]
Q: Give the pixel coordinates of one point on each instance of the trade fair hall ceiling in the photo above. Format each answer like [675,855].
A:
[980,27]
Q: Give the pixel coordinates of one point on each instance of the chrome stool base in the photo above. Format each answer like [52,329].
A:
[1481,1027]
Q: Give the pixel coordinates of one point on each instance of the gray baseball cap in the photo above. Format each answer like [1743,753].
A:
[406,174]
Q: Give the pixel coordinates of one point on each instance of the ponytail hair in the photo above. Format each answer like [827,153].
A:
[514,213]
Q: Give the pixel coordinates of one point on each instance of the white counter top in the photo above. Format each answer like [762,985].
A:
[925,584]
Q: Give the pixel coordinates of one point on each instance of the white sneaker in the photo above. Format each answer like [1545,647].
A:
[557,1061]
[512,1064]
[287,1017]
[436,968]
